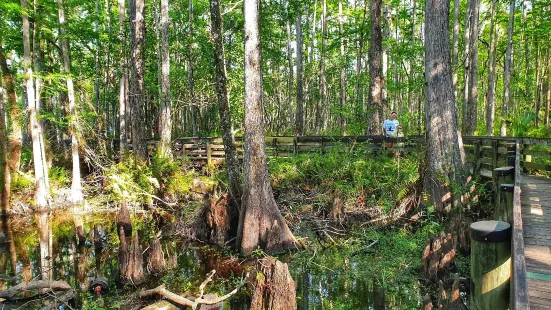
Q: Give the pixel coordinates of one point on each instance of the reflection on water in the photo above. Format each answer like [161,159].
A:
[85,249]
[348,287]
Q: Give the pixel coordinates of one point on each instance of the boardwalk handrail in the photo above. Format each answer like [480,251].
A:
[519,286]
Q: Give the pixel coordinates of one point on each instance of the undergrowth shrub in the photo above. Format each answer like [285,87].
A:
[382,180]
[137,181]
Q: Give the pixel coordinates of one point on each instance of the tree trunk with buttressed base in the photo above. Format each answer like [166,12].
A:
[261,225]
[445,154]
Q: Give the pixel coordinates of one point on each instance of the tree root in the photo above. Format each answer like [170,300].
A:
[182,301]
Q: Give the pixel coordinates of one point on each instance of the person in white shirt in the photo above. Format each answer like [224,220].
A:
[390,126]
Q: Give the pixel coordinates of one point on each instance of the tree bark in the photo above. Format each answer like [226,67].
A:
[233,166]
[470,109]
[375,70]
[190,70]
[322,101]
[299,116]
[289,66]
[445,154]
[139,144]
[5,176]
[76,186]
[260,222]
[538,83]
[33,285]
[165,119]
[41,194]
[546,87]
[123,86]
[387,23]
[455,56]
[490,95]
[507,71]
[16,135]
[342,93]
[156,262]
[359,67]
[274,288]
[44,240]
[466,66]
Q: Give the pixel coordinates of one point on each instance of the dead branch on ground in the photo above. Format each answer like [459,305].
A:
[11,292]
[183,301]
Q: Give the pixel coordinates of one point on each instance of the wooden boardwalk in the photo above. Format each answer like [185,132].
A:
[536,219]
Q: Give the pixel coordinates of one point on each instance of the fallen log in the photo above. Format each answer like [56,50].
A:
[11,292]
[183,301]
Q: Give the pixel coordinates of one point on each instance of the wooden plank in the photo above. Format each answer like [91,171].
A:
[519,286]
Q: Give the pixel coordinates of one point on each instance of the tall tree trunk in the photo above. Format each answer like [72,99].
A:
[490,95]
[470,107]
[299,116]
[290,66]
[164,119]
[445,154]
[375,69]
[107,78]
[76,187]
[525,41]
[123,86]
[342,93]
[260,222]
[466,66]
[137,106]
[455,56]
[97,66]
[322,80]
[538,83]
[16,135]
[5,176]
[233,166]
[387,23]
[546,87]
[507,71]
[191,86]
[359,67]
[41,194]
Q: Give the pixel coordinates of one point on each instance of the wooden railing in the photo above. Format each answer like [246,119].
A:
[483,153]
[519,285]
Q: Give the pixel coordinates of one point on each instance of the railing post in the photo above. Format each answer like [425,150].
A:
[209,154]
[490,265]
[295,146]
[527,157]
[501,175]
[504,206]
[476,164]
[274,141]
[495,150]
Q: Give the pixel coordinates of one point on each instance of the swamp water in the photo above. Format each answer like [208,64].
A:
[325,279]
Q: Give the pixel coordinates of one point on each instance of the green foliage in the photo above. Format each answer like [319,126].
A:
[22,182]
[91,303]
[137,181]
[59,177]
[382,179]
[26,155]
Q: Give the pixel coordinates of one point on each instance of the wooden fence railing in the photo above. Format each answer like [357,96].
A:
[483,154]
[519,284]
